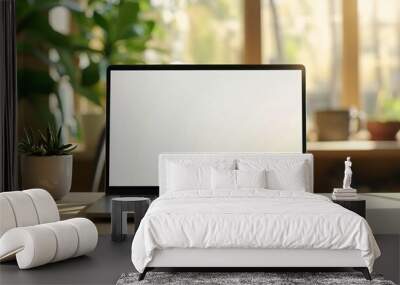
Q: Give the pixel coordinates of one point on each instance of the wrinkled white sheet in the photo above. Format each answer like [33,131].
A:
[251,218]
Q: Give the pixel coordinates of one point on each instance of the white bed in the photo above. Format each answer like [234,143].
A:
[281,224]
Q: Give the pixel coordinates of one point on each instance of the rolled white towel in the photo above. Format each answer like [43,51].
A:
[23,208]
[7,218]
[66,238]
[26,208]
[33,246]
[52,242]
[87,235]
[46,207]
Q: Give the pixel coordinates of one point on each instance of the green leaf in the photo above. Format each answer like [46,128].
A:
[101,21]
[83,25]
[43,138]
[43,5]
[59,136]
[71,5]
[138,30]
[23,8]
[91,74]
[34,82]
[130,31]
[127,15]
[65,146]
[37,28]
[68,150]
[50,138]
[27,9]
[150,25]
[91,94]
[137,44]
[28,137]
[69,67]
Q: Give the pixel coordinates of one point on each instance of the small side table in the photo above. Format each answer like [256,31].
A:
[120,208]
[357,206]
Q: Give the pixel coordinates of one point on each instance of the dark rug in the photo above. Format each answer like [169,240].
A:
[228,278]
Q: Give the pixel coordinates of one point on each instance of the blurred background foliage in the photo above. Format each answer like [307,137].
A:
[64,47]
[60,64]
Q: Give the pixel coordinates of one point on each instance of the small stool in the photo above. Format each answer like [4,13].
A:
[120,207]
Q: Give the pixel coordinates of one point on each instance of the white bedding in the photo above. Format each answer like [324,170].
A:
[250,218]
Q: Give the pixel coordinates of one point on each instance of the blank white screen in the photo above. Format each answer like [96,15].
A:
[156,111]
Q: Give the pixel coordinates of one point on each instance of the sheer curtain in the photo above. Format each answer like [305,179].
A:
[8,98]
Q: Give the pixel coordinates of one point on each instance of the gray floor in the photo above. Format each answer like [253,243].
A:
[103,266]
[111,259]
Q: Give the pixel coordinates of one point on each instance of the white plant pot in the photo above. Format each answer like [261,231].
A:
[52,173]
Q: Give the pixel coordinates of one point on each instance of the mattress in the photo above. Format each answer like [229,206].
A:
[250,219]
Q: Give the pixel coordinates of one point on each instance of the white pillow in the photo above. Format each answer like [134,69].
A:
[183,177]
[251,178]
[236,179]
[186,174]
[282,174]
[223,179]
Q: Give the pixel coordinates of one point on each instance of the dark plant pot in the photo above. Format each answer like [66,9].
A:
[332,125]
[52,173]
[383,131]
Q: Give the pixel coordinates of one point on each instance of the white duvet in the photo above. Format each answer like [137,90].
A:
[251,218]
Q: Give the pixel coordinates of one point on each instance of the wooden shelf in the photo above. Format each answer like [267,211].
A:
[353,146]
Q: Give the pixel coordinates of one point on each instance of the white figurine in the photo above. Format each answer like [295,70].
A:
[347,174]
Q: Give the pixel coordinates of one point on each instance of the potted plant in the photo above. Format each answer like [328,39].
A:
[46,162]
[386,123]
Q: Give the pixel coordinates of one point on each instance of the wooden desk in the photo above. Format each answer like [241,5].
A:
[353,146]
[73,204]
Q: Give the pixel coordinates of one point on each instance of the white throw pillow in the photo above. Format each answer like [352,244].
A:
[223,179]
[251,178]
[236,179]
[282,174]
[193,174]
[183,177]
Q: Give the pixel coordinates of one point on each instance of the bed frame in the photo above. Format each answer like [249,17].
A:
[247,259]
[259,259]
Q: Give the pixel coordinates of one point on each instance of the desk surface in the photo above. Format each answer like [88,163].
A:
[377,200]
[353,146]
[74,203]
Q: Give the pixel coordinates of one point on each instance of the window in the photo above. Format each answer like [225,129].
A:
[208,31]
[379,23]
[306,32]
